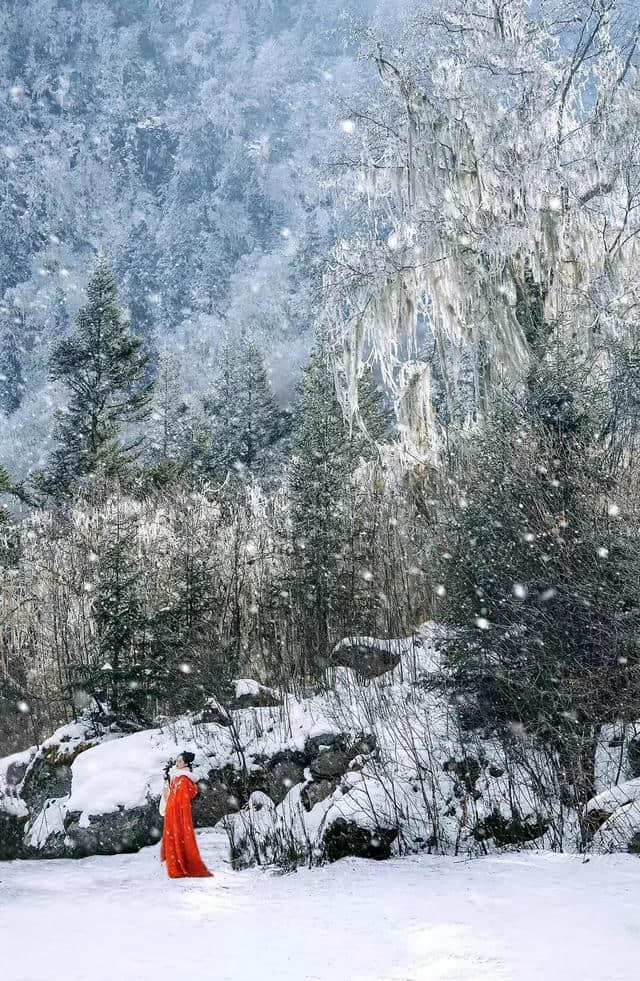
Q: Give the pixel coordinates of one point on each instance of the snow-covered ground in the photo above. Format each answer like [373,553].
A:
[528,916]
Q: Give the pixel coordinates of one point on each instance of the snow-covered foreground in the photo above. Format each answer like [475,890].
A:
[526,916]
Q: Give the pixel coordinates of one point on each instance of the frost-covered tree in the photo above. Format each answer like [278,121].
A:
[103,367]
[494,186]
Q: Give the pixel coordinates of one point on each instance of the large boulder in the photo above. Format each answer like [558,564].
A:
[13,819]
[315,792]
[247,693]
[510,830]
[222,791]
[213,711]
[346,837]
[48,775]
[330,753]
[614,818]
[620,832]
[110,834]
[367,656]
[275,775]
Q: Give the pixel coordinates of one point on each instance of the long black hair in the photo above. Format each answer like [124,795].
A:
[188,758]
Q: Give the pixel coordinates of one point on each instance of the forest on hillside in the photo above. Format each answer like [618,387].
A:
[316,326]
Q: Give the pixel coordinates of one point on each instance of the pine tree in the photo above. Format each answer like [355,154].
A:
[118,614]
[118,674]
[103,367]
[245,420]
[168,430]
[11,378]
[540,574]
[184,641]
[320,474]
[376,415]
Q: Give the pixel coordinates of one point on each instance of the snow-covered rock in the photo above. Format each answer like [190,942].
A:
[248,693]
[615,818]
[13,810]
[376,766]
[367,656]
[345,838]
[87,792]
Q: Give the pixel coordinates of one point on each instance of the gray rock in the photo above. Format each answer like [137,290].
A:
[283,771]
[331,754]
[330,763]
[368,660]
[345,838]
[261,697]
[15,773]
[324,740]
[222,792]
[11,835]
[113,833]
[633,755]
[213,711]
[516,830]
[49,773]
[315,792]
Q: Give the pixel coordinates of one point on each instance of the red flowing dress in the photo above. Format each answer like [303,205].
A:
[179,845]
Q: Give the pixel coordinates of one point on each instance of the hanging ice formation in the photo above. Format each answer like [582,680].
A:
[497,197]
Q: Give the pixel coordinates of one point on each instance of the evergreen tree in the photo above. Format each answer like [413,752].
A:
[184,648]
[102,366]
[244,418]
[118,674]
[320,474]
[541,575]
[168,430]
[118,615]
[11,378]
[376,415]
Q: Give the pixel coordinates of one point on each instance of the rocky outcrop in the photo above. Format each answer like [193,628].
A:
[45,822]
[367,656]
[213,711]
[344,838]
[511,830]
[633,756]
[12,826]
[113,833]
[247,693]
[275,775]
[48,775]
[614,818]
[315,792]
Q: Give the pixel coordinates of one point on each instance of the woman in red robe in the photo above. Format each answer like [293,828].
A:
[179,845]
